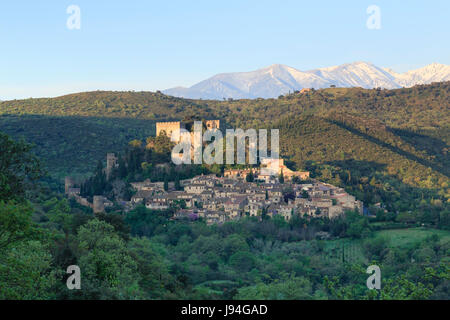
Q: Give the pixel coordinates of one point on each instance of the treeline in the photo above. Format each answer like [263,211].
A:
[422,106]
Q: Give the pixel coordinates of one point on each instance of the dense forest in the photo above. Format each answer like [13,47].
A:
[74,145]
[389,148]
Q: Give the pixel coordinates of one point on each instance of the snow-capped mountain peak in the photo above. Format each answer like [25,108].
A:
[434,72]
[277,79]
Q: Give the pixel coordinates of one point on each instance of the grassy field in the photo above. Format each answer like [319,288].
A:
[409,237]
[354,249]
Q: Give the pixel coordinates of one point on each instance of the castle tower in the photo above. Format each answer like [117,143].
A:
[168,128]
[98,204]
[68,183]
[111,163]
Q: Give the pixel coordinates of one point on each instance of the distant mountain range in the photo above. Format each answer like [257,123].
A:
[280,79]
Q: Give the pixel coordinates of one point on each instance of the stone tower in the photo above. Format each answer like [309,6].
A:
[68,183]
[111,163]
[98,204]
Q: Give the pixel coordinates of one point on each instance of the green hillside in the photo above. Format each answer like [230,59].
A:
[74,144]
[388,148]
[422,107]
[337,133]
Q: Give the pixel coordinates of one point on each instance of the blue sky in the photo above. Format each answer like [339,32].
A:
[151,45]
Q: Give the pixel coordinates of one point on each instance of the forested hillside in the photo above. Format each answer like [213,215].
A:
[403,133]
[75,144]
[421,107]
[388,148]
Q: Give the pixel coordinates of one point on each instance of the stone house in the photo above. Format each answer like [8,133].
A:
[275,195]
[196,188]
[141,196]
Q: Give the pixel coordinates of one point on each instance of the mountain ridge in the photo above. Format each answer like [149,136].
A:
[279,79]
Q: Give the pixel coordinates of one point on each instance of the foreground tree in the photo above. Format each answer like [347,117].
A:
[26,273]
[19,168]
[109,272]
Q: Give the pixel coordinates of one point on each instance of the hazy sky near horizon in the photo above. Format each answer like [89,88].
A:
[155,45]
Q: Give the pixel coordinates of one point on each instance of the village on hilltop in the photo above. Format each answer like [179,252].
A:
[272,189]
